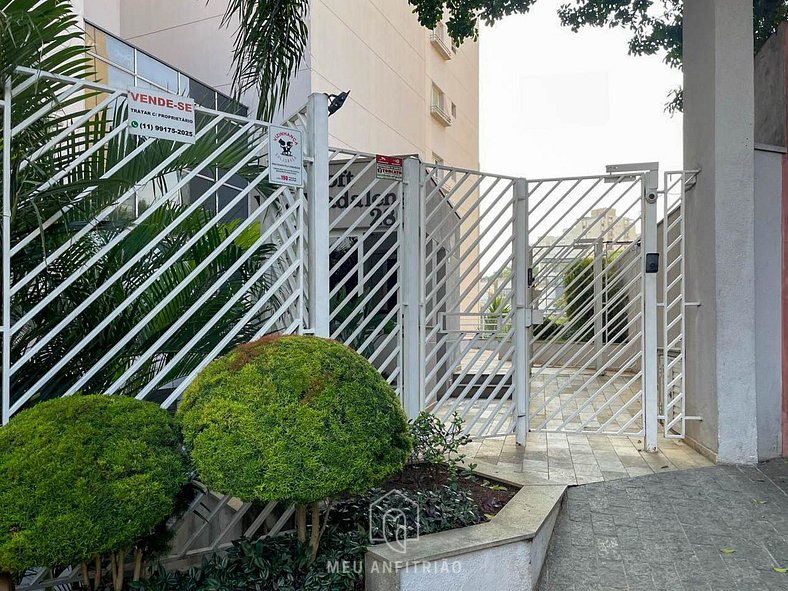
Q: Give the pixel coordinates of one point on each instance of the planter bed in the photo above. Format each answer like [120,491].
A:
[490,495]
[502,554]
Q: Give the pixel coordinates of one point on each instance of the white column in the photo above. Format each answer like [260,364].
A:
[521,313]
[410,249]
[317,212]
[649,245]
[718,139]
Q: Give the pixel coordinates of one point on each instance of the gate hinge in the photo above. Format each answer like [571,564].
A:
[533,317]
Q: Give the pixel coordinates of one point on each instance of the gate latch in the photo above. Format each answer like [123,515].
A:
[652,262]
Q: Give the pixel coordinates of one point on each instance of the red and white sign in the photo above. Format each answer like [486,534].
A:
[160,115]
[285,156]
[388,168]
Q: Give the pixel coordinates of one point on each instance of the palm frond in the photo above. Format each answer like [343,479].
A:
[268,48]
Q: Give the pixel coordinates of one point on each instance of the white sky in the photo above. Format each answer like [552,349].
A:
[573,101]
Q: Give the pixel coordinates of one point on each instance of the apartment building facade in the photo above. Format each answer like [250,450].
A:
[411,90]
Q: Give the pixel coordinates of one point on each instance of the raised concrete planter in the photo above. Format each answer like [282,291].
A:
[504,554]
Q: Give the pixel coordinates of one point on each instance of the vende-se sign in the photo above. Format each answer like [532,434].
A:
[160,115]
[285,156]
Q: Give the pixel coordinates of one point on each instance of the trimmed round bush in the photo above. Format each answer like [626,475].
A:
[293,418]
[83,476]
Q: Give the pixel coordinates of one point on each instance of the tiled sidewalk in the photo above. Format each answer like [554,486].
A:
[722,528]
[582,459]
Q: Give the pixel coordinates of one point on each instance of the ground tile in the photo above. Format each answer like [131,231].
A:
[664,531]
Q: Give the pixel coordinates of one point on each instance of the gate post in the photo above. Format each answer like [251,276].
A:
[521,313]
[5,387]
[317,213]
[649,357]
[599,302]
[410,237]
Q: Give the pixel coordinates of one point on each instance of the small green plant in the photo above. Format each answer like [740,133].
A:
[86,478]
[275,563]
[438,443]
[296,419]
[424,511]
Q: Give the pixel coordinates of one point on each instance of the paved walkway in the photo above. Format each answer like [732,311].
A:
[710,529]
[560,458]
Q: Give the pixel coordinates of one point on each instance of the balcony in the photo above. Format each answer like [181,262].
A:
[440,41]
[441,115]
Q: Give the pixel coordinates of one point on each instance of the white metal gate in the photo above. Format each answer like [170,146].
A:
[535,305]
[468,242]
[590,364]
[365,215]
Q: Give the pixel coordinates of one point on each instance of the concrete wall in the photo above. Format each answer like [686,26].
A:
[718,139]
[768,300]
[771,130]
[771,83]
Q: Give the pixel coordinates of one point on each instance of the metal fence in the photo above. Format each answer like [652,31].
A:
[124,269]
[365,230]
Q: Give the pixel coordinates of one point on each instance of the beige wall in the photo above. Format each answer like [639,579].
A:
[378,50]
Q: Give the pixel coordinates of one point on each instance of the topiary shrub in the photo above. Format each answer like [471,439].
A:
[84,477]
[293,418]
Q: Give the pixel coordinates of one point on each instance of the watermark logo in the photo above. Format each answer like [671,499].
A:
[393,520]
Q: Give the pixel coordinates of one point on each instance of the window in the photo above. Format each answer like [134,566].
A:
[438,174]
[121,65]
[438,98]
[157,73]
[438,106]
[441,42]
[453,111]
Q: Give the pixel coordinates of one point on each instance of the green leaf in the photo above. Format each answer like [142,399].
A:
[727,550]
[759,501]
[780,569]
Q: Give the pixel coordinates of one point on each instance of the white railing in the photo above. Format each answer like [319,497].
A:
[130,263]
[101,296]
[673,304]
